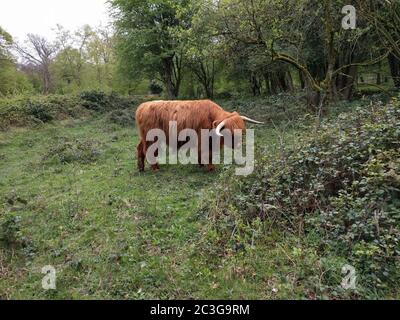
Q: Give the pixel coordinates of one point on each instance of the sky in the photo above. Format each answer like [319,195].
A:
[20,17]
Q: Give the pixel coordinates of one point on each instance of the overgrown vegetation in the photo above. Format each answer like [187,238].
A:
[71,197]
[69,151]
[325,193]
[338,190]
[34,110]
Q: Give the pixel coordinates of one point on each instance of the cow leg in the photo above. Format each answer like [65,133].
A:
[141,156]
[154,167]
[201,164]
[199,158]
[210,166]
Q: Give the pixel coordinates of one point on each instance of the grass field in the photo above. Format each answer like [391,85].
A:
[110,231]
[72,197]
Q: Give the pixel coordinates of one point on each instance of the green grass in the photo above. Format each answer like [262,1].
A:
[110,231]
[114,233]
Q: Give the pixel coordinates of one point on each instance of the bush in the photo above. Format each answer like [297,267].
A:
[340,188]
[282,107]
[40,111]
[9,229]
[223,95]
[155,88]
[95,100]
[102,102]
[29,111]
[12,235]
[123,117]
[69,151]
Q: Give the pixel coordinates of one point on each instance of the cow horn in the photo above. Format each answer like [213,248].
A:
[219,128]
[251,120]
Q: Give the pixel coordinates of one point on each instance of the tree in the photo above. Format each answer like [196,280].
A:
[285,31]
[203,47]
[149,39]
[5,42]
[11,79]
[39,52]
[72,55]
[86,59]
[384,17]
[100,52]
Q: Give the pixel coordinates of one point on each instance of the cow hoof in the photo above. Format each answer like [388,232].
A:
[155,168]
[211,168]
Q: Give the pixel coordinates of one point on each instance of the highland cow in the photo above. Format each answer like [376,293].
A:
[196,115]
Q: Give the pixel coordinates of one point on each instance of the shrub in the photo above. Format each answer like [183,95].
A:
[95,100]
[12,235]
[102,102]
[69,151]
[40,111]
[282,107]
[123,117]
[9,229]
[223,95]
[155,88]
[29,111]
[25,111]
[340,188]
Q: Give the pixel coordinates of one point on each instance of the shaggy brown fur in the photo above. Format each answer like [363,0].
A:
[196,115]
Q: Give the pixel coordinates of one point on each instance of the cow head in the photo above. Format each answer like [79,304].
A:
[231,123]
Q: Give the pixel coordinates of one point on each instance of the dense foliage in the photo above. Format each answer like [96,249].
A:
[32,110]
[261,47]
[206,48]
[339,188]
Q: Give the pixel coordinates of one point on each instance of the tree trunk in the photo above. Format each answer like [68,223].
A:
[282,80]
[191,91]
[208,81]
[206,76]
[255,85]
[346,83]
[289,81]
[46,80]
[350,83]
[168,78]
[394,64]
[274,83]
[302,81]
[329,85]
[267,83]
[212,80]
[313,99]
[210,93]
